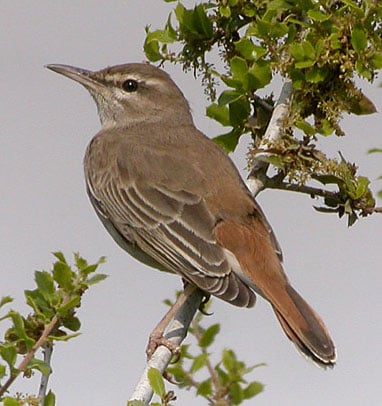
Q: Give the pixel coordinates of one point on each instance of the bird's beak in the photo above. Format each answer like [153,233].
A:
[83,76]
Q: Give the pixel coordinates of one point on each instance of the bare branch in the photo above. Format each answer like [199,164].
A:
[257,177]
[47,350]
[309,190]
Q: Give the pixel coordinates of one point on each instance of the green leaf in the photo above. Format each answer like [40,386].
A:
[71,304]
[306,127]
[151,49]
[89,269]
[205,388]
[326,128]
[239,112]
[274,160]
[239,68]
[228,141]
[249,10]
[318,16]
[352,5]
[199,363]
[358,39]
[303,52]
[194,22]
[19,329]
[39,366]
[8,353]
[219,113]
[335,41]
[260,75]
[96,279]
[136,403]
[246,48]
[236,393]
[11,402]
[361,105]
[305,64]
[225,11]
[209,335]
[44,282]
[180,11]
[224,379]
[253,389]
[63,275]
[72,323]
[50,399]
[362,70]
[262,29]
[60,256]
[5,299]
[41,307]
[81,263]
[361,189]
[374,151]
[229,360]
[162,36]
[203,23]
[316,75]
[156,382]
[229,96]
[376,60]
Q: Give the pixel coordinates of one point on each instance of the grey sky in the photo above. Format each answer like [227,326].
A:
[47,122]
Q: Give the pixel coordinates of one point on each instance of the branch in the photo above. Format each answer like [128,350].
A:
[277,183]
[175,333]
[309,190]
[257,177]
[48,350]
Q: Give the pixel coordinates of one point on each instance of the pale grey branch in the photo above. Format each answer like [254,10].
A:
[47,351]
[257,177]
[175,333]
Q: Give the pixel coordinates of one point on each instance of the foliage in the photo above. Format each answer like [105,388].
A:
[53,319]
[321,46]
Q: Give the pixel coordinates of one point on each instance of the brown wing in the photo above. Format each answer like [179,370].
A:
[175,229]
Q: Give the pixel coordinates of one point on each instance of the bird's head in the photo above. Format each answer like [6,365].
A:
[131,93]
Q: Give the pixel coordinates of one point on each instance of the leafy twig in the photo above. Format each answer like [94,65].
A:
[28,357]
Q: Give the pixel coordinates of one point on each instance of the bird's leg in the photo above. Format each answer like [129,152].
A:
[156,338]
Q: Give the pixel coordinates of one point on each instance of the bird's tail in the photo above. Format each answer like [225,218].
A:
[305,329]
[260,268]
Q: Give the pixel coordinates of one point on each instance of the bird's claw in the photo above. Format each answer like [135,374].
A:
[156,340]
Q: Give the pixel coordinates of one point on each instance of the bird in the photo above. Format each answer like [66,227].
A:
[174,200]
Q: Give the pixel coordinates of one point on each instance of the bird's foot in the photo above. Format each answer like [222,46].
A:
[156,340]
[203,305]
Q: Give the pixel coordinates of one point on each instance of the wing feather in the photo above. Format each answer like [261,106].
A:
[175,228]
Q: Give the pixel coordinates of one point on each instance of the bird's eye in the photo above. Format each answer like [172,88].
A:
[130,85]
